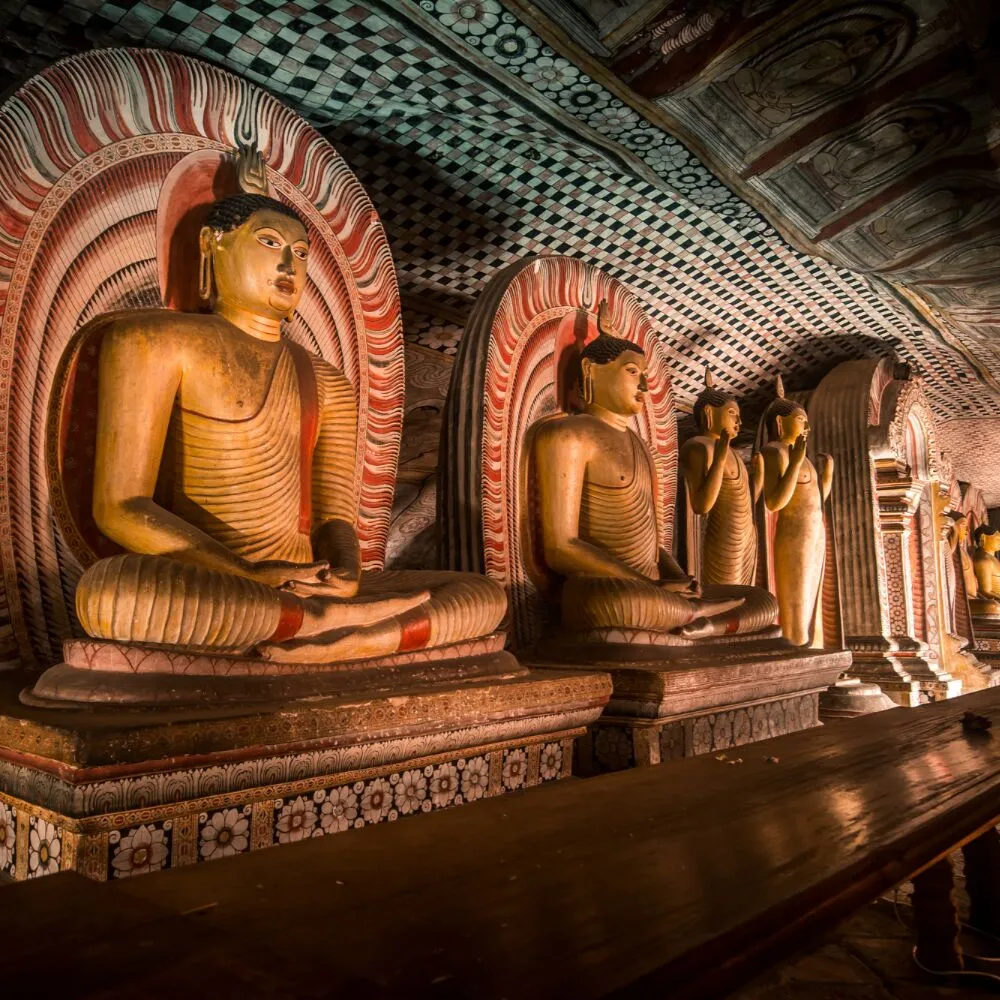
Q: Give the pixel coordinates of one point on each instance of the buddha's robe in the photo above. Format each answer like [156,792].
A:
[259,486]
[622,520]
[729,551]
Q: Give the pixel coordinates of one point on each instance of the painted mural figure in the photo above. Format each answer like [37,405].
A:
[796,492]
[597,515]
[718,488]
[254,546]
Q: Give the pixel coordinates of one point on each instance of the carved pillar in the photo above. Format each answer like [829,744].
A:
[842,410]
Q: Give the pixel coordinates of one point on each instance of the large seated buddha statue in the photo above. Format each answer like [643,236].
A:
[253,441]
[596,517]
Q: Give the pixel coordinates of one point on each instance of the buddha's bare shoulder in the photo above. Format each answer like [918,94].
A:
[161,328]
[570,429]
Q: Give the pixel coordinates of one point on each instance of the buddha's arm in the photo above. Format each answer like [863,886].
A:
[781,475]
[703,479]
[138,377]
[561,460]
[333,536]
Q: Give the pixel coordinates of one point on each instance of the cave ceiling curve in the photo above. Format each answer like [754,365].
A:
[479,143]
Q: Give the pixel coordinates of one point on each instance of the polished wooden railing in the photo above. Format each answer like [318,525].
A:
[678,880]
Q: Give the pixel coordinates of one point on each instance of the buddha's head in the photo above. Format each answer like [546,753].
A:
[988,539]
[716,411]
[786,420]
[613,371]
[253,256]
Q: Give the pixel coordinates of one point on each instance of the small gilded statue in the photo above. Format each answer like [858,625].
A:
[796,493]
[253,544]
[597,514]
[959,543]
[718,486]
[987,571]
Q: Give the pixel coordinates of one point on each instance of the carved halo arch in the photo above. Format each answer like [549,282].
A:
[85,148]
[508,374]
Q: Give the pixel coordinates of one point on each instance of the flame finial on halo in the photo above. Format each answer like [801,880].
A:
[251,171]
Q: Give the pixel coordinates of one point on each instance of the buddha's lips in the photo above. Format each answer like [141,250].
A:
[285,285]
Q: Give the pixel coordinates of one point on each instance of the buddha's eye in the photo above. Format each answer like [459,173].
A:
[268,241]
[301,252]
[632,370]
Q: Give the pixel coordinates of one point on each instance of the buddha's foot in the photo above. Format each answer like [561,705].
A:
[381,639]
[326,614]
[708,610]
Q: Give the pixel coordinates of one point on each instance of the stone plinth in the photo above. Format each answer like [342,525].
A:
[679,701]
[986,628]
[117,791]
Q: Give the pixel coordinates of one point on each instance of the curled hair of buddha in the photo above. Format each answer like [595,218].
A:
[984,529]
[606,347]
[779,407]
[710,396]
[230,213]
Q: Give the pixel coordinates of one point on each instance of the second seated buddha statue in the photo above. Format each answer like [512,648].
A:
[225,467]
[986,599]
[597,516]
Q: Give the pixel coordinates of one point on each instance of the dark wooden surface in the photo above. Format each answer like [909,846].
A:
[678,880]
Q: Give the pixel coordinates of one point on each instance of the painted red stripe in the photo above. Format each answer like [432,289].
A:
[415,629]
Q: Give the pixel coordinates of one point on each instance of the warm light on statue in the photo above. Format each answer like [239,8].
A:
[252,545]
[796,493]
[718,488]
[597,516]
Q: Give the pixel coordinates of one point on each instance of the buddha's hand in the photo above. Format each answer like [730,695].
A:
[826,469]
[798,450]
[688,586]
[317,579]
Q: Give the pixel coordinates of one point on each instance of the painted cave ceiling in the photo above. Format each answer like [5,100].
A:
[784,185]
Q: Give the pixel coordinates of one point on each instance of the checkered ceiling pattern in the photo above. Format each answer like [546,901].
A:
[478,145]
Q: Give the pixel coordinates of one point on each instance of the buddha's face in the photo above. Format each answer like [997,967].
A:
[723,418]
[990,542]
[619,385]
[260,266]
[793,426]
[962,529]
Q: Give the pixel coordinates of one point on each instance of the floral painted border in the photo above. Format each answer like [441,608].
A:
[34,841]
[496,33]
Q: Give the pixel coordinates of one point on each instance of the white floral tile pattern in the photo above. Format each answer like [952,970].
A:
[245,820]
[550,763]
[142,849]
[8,837]
[434,332]
[475,778]
[223,833]
[515,768]
[296,819]
[44,847]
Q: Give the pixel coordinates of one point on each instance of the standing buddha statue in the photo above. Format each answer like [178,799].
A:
[796,492]
[596,518]
[959,539]
[718,488]
[249,443]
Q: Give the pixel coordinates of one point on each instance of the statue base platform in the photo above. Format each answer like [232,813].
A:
[850,697]
[113,791]
[675,700]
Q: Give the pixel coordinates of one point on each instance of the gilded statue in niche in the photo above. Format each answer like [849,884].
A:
[822,62]
[597,515]
[959,542]
[224,467]
[987,570]
[796,492]
[718,488]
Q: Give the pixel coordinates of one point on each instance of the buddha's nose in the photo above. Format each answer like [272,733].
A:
[286,266]
[643,384]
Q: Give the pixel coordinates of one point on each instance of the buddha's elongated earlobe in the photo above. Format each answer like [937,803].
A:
[587,382]
[205,277]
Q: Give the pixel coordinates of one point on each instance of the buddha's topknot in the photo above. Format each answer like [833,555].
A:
[710,396]
[605,349]
[230,213]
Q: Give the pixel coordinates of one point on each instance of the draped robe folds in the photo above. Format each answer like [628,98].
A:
[259,486]
[729,551]
[621,519]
